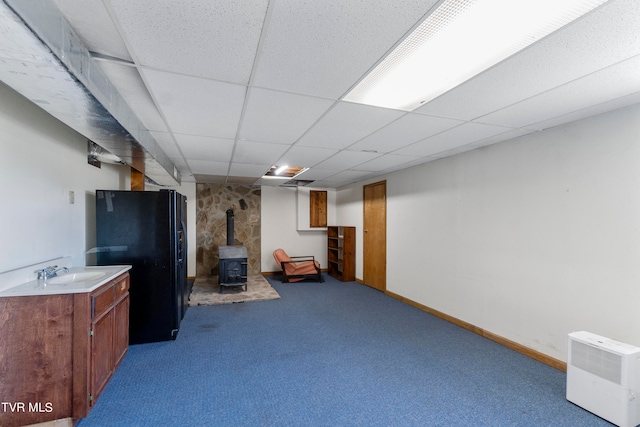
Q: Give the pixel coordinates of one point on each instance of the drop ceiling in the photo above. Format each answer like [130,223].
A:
[229,89]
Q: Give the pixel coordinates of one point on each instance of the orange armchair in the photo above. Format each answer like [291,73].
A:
[297,268]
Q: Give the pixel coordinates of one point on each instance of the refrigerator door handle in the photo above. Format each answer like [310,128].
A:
[181,245]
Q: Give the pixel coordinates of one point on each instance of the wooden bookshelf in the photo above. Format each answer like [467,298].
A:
[341,246]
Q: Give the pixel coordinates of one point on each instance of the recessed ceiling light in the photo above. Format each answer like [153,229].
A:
[460,39]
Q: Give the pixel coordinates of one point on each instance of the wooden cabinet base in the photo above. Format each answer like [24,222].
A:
[57,353]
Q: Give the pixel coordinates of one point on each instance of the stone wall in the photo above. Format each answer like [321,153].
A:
[213,200]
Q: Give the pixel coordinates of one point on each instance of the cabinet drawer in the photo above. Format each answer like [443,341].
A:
[102,299]
[122,286]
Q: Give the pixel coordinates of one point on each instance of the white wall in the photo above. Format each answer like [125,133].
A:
[41,161]
[530,239]
[279,218]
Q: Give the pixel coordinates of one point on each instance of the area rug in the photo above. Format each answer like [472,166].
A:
[206,291]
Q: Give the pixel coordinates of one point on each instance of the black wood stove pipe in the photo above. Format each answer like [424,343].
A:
[230,236]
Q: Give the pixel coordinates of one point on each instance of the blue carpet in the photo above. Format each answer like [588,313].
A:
[330,354]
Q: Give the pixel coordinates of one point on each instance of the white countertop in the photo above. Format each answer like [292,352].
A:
[63,283]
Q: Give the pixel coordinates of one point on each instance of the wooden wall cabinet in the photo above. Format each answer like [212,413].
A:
[341,246]
[58,352]
[317,209]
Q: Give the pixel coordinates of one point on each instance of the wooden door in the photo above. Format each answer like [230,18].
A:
[375,235]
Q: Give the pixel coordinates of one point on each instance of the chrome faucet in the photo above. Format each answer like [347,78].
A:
[49,272]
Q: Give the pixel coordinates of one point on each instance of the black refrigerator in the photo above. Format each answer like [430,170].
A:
[147,230]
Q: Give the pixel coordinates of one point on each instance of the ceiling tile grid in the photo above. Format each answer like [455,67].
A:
[259,153]
[607,36]
[92,22]
[455,137]
[135,93]
[196,147]
[207,39]
[346,159]
[322,48]
[280,117]
[624,101]
[317,174]
[228,89]
[307,156]
[197,106]
[406,130]
[248,170]
[167,143]
[347,123]
[206,167]
[601,86]
[385,162]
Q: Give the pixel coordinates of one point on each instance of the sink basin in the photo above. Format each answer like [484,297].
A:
[75,281]
[82,276]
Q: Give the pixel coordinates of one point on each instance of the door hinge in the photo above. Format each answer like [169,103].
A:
[90,332]
[90,397]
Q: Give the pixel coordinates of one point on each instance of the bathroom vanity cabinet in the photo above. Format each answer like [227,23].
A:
[101,339]
[58,351]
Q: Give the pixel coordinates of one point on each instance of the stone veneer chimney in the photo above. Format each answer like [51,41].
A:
[212,203]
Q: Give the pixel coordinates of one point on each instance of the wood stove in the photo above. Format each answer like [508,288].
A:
[233,267]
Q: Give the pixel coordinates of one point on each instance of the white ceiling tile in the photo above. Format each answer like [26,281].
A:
[269,182]
[602,86]
[213,179]
[614,104]
[418,161]
[205,148]
[386,162]
[130,86]
[494,139]
[456,137]
[343,178]
[305,55]
[166,143]
[305,156]
[185,171]
[404,131]
[205,167]
[347,159]
[182,165]
[196,106]
[325,183]
[606,36]
[280,117]
[207,39]
[259,153]
[93,24]
[347,123]
[248,170]
[322,48]
[350,175]
[314,174]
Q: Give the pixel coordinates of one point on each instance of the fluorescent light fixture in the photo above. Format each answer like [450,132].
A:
[459,40]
